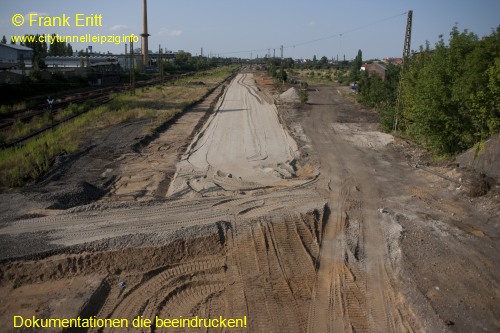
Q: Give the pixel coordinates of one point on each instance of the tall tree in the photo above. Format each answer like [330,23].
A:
[39,49]
[323,61]
[57,48]
[183,60]
[359,60]
[4,40]
[356,66]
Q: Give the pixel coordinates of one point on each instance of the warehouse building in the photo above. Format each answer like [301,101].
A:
[12,56]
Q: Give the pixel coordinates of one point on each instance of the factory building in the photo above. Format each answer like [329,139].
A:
[12,56]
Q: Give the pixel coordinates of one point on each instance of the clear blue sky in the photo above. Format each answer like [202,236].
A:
[236,28]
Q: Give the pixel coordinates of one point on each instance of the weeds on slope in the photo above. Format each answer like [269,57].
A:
[19,165]
[21,129]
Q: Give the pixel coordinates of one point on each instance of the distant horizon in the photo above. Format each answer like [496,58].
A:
[216,56]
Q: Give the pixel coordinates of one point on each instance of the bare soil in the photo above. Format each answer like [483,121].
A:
[365,235]
[419,251]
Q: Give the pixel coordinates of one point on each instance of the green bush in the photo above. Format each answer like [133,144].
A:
[303,94]
[451,95]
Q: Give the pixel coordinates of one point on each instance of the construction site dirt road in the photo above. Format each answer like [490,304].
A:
[296,218]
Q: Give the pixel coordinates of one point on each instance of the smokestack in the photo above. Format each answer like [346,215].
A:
[145,34]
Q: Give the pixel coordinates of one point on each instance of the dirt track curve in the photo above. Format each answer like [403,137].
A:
[291,216]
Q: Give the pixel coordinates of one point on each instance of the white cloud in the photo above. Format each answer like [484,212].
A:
[36,14]
[169,32]
[310,24]
[118,27]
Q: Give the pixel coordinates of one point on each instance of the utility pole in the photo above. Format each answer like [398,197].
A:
[404,65]
[160,62]
[282,71]
[132,69]
[202,52]
[126,58]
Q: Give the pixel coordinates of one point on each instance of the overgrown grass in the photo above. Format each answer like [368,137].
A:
[20,129]
[318,76]
[211,76]
[159,104]
[14,107]
[18,165]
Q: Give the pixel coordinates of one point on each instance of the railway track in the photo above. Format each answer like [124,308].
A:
[98,97]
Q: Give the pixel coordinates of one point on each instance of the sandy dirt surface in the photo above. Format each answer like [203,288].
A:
[242,147]
[247,253]
[147,172]
[403,249]
[297,218]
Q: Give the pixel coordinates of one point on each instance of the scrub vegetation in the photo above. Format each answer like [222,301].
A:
[19,165]
[450,94]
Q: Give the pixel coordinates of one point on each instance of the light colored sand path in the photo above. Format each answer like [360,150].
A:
[243,146]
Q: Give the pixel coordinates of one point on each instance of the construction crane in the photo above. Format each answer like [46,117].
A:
[406,55]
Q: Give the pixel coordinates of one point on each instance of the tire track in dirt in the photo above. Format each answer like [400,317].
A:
[259,261]
[338,294]
[144,300]
[353,290]
[275,253]
[252,90]
[276,276]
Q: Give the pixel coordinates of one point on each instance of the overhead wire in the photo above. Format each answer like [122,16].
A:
[321,38]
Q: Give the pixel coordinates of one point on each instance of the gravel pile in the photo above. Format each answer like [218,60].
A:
[290,96]
[81,194]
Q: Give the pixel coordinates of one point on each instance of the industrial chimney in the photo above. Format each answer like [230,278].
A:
[145,34]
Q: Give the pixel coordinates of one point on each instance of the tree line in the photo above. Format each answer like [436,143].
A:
[450,94]
[185,62]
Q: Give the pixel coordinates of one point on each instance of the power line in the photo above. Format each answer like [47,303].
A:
[345,32]
[322,38]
